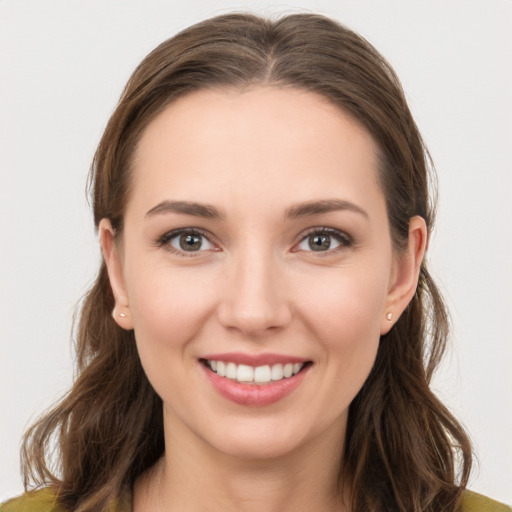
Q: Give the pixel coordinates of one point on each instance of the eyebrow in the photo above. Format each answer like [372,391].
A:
[187,208]
[312,208]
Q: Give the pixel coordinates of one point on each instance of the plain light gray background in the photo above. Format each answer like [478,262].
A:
[63,65]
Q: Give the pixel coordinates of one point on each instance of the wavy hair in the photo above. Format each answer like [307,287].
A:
[404,450]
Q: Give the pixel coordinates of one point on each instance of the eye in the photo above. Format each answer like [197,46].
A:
[188,240]
[324,240]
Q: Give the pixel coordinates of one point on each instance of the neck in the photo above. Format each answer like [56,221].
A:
[193,476]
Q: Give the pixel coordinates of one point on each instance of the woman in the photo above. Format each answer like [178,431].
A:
[263,328]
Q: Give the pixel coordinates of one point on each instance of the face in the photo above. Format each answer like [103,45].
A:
[256,267]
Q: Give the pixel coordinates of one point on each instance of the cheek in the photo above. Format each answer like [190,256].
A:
[168,308]
[350,304]
[345,317]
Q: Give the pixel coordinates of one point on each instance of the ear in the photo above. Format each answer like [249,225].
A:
[405,275]
[113,260]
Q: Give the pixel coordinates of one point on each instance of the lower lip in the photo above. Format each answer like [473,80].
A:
[255,394]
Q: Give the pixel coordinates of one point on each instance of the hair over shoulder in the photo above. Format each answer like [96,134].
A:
[404,450]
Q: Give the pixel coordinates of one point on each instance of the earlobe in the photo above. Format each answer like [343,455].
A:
[406,274]
[113,261]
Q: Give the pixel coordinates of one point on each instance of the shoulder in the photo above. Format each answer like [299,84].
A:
[45,500]
[474,502]
[42,500]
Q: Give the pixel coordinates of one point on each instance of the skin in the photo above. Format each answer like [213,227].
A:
[256,286]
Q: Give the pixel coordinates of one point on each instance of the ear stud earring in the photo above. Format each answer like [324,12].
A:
[121,315]
[389,316]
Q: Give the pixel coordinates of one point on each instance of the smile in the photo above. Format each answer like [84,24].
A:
[255,380]
[254,375]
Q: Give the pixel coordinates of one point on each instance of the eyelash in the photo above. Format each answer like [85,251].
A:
[164,240]
[344,240]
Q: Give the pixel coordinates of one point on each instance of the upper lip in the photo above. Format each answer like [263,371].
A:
[255,359]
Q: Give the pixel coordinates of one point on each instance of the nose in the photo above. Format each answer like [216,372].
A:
[254,297]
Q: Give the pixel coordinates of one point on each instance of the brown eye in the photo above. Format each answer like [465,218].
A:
[189,241]
[324,240]
[319,242]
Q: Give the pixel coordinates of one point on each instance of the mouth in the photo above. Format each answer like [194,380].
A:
[255,380]
[255,375]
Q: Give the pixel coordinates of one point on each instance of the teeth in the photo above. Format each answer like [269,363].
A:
[277,372]
[231,371]
[244,373]
[256,375]
[262,374]
[221,368]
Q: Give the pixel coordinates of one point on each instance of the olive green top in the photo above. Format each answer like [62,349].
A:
[45,500]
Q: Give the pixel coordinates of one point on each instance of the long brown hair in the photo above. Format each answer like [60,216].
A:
[404,450]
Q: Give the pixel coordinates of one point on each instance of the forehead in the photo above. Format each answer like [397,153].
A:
[229,145]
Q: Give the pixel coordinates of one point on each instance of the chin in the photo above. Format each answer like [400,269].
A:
[259,438]
[258,447]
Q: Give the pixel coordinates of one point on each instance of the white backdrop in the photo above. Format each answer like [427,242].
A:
[63,65]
